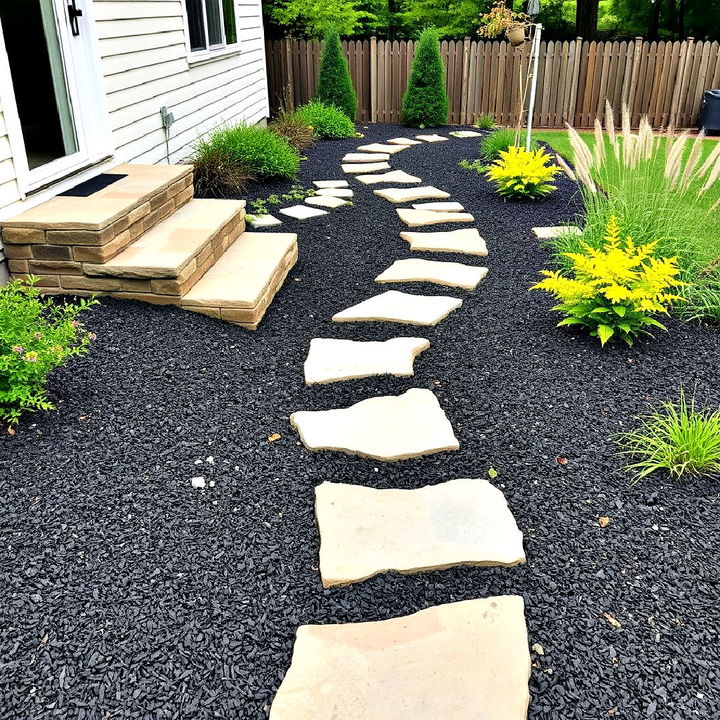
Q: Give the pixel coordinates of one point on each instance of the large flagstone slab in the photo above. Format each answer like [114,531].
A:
[465,133]
[467,240]
[365,157]
[432,138]
[365,167]
[366,532]
[434,271]
[302,212]
[335,192]
[400,307]
[390,149]
[547,233]
[439,206]
[404,141]
[330,183]
[418,218]
[465,660]
[389,428]
[328,201]
[266,220]
[331,360]
[395,176]
[403,195]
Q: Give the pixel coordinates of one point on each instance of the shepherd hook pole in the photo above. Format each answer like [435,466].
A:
[533,85]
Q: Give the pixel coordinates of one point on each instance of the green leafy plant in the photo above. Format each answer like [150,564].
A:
[614,291]
[678,438]
[499,141]
[259,206]
[316,17]
[217,175]
[518,173]
[334,86]
[486,121]
[36,336]
[500,20]
[477,165]
[425,102]
[326,121]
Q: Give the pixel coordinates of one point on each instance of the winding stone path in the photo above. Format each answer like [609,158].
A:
[434,271]
[404,141]
[365,167]
[439,206]
[403,195]
[432,138]
[266,220]
[465,133]
[418,218]
[400,307]
[302,212]
[365,157]
[390,149]
[395,176]
[389,428]
[330,183]
[329,201]
[335,192]
[467,240]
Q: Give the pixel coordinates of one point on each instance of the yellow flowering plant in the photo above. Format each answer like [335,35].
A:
[518,173]
[614,291]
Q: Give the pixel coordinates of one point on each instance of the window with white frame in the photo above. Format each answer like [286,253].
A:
[211,24]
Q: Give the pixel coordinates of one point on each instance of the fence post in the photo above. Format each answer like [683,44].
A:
[290,74]
[629,100]
[373,79]
[574,81]
[464,90]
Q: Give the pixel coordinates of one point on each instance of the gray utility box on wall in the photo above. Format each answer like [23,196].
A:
[709,118]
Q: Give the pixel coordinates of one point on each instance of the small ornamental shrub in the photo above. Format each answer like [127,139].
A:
[326,121]
[296,131]
[334,85]
[216,175]
[36,336]
[677,438]
[425,102]
[614,291]
[486,121]
[518,173]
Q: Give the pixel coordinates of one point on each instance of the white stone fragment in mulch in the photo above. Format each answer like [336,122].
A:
[327,201]
[396,176]
[365,167]
[467,660]
[418,218]
[432,138]
[382,148]
[302,212]
[330,183]
[365,532]
[467,240]
[404,141]
[266,220]
[403,195]
[451,274]
[465,133]
[400,307]
[387,428]
[547,233]
[335,192]
[365,157]
[439,206]
[332,360]
[198,483]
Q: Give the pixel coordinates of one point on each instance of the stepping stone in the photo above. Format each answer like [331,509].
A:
[465,133]
[265,221]
[385,428]
[325,201]
[417,218]
[335,192]
[365,157]
[547,233]
[380,148]
[400,307]
[366,532]
[365,167]
[465,660]
[403,195]
[333,360]
[432,138]
[396,176]
[330,183]
[442,273]
[439,206]
[466,241]
[302,212]
[404,141]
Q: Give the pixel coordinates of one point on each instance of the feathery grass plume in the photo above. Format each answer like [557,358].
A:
[646,139]
[712,177]
[692,161]
[580,148]
[709,161]
[599,149]
[610,125]
[627,137]
[669,139]
[674,159]
[565,167]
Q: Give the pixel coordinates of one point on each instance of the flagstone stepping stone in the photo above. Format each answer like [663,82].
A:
[365,167]
[325,201]
[264,221]
[366,532]
[417,218]
[302,212]
[382,148]
[439,206]
[330,183]
[387,428]
[442,273]
[365,157]
[400,307]
[404,141]
[547,233]
[432,138]
[333,360]
[466,241]
[465,660]
[403,195]
[396,176]
[465,133]
[335,192]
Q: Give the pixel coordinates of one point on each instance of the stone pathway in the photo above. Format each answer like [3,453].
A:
[335,192]
[434,271]
[363,167]
[390,148]
[432,138]
[395,176]
[467,241]
[465,133]
[302,212]
[404,141]
[417,218]
[328,201]
[403,195]
[330,183]
[266,220]
[439,206]
[365,157]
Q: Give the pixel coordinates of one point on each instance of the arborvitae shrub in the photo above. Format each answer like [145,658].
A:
[334,84]
[425,101]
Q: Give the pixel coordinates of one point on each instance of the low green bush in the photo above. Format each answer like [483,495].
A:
[499,141]
[325,120]
[519,174]
[37,335]
[486,121]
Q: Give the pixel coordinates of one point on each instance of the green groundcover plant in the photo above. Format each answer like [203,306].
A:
[326,120]
[334,85]
[425,103]
[36,336]
[498,141]
[677,437]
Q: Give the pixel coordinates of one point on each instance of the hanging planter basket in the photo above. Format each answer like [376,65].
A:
[516,34]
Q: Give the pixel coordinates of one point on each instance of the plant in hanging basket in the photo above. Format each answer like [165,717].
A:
[501,19]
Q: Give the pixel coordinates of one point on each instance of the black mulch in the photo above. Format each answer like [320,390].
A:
[125,593]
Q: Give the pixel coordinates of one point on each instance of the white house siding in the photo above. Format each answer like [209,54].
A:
[9,191]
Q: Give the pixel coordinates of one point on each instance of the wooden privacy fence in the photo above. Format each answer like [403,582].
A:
[663,80]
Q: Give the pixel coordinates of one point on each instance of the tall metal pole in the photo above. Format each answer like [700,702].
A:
[533,83]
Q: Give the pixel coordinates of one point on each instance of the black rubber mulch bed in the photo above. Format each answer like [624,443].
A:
[125,593]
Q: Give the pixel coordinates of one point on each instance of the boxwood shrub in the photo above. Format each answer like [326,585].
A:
[326,120]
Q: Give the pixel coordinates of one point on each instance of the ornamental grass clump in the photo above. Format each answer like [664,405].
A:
[326,121]
[518,173]
[36,336]
[614,291]
[677,438]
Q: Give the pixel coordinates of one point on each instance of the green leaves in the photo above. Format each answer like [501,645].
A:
[425,102]
[326,121]
[605,332]
[316,17]
[334,85]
